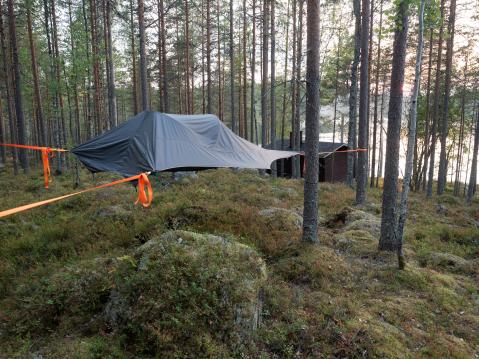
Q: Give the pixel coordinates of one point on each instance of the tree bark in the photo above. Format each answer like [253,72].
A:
[112,105]
[424,156]
[232,73]
[133,62]
[273,85]
[297,113]
[8,81]
[143,61]
[362,170]
[388,240]
[209,85]
[403,206]
[376,95]
[310,212]
[164,72]
[294,88]
[437,90]
[245,79]
[264,82]
[441,179]
[253,69]
[353,95]
[77,137]
[36,85]
[460,147]
[17,87]
[471,189]
[283,113]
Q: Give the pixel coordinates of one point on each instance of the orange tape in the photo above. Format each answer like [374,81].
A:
[47,152]
[322,153]
[144,197]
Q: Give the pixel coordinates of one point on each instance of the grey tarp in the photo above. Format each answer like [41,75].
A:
[154,141]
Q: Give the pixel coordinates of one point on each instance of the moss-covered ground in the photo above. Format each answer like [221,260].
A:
[341,298]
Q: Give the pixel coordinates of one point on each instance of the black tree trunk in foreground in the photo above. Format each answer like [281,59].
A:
[387,240]
[362,170]
[310,213]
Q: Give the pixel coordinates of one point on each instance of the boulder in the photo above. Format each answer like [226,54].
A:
[449,262]
[116,213]
[352,219]
[180,175]
[188,288]
[441,209]
[281,218]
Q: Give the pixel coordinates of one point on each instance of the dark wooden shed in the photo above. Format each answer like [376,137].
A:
[333,163]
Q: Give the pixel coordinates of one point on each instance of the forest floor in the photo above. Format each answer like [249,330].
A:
[341,298]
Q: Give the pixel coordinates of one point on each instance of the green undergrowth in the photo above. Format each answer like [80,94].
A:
[95,276]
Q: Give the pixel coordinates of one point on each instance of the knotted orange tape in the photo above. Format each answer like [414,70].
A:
[144,197]
[47,152]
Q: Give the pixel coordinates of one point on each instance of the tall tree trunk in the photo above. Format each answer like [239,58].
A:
[353,94]
[77,137]
[209,85]
[294,88]
[310,212]
[460,147]
[3,154]
[253,69]
[112,105]
[285,87]
[381,134]
[376,95]
[362,171]
[189,83]
[411,141]
[435,110]
[264,82]
[143,63]
[17,87]
[61,137]
[441,179]
[471,189]
[232,72]
[86,79]
[387,240]
[133,61]
[8,81]
[370,60]
[245,79]
[36,85]
[273,85]
[424,157]
[335,111]
[164,73]
[297,114]
[218,61]
[96,66]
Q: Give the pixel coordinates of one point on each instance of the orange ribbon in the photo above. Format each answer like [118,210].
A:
[144,197]
[47,153]
[323,153]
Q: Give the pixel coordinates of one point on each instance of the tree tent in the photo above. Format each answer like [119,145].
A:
[154,142]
